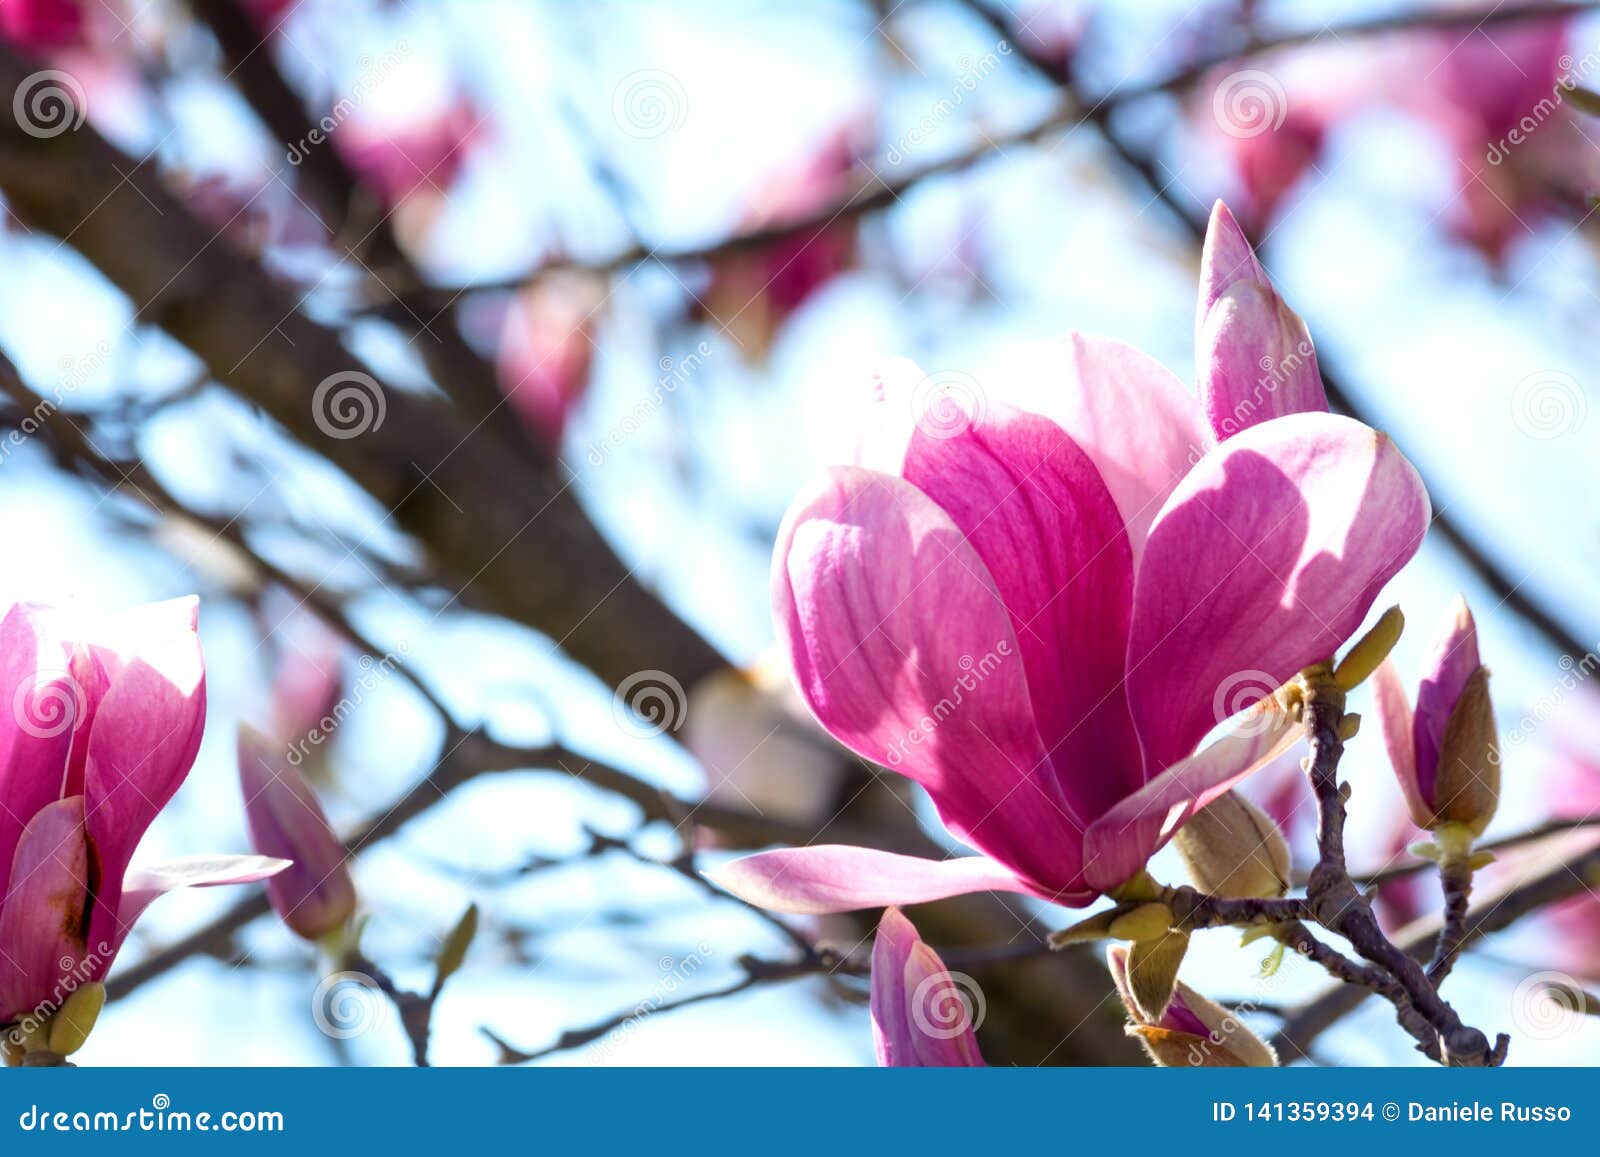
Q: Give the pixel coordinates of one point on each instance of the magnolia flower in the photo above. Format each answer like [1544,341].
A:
[315,894]
[753,292]
[104,719]
[920,1015]
[1445,754]
[1038,611]
[1191,1029]
[547,351]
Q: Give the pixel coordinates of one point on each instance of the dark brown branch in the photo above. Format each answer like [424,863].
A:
[510,534]
[1561,881]
[348,210]
[1533,835]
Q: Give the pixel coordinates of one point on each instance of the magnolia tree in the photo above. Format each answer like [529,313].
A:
[452,432]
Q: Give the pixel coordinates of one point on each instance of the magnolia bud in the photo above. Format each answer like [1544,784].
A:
[1232,848]
[1446,753]
[315,895]
[1191,1031]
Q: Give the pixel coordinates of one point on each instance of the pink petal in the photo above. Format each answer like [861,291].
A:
[905,653]
[41,922]
[1395,717]
[1256,360]
[41,707]
[1128,412]
[891,1027]
[1450,665]
[144,885]
[829,878]
[1118,845]
[1226,259]
[1038,514]
[146,734]
[940,1016]
[1264,560]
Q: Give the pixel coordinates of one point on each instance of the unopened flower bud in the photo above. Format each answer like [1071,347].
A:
[315,895]
[1232,848]
[75,1019]
[1191,1031]
[1446,753]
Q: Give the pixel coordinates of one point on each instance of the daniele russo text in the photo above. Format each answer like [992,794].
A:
[1485,1111]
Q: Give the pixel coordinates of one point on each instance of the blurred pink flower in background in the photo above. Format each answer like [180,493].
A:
[1476,88]
[546,350]
[43,25]
[752,292]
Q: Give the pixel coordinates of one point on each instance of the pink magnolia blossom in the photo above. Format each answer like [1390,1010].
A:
[314,895]
[104,719]
[920,1018]
[1444,782]
[1038,612]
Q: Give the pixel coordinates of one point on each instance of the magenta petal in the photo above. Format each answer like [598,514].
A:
[1119,843]
[1449,666]
[143,885]
[905,653]
[1264,560]
[146,734]
[1129,413]
[1226,259]
[891,1027]
[1035,509]
[1396,720]
[41,708]
[41,923]
[839,878]
[1255,357]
